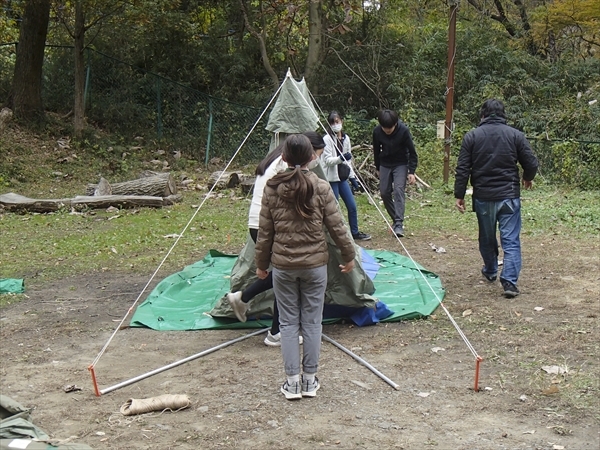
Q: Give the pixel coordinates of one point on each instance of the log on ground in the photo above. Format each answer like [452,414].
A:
[225,180]
[118,201]
[15,202]
[160,185]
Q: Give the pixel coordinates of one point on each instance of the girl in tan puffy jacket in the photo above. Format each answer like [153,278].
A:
[296,206]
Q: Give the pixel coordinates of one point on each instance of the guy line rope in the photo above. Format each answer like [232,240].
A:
[478,359]
[92,366]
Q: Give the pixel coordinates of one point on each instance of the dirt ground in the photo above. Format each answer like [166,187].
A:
[49,340]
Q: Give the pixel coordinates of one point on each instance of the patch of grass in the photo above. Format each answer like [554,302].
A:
[546,210]
[9,299]
[60,244]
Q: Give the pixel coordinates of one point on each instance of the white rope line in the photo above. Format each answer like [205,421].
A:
[184,229]
[439,300]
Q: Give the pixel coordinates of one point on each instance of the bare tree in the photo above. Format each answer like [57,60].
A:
[261,37]
[77,27]
[516,28]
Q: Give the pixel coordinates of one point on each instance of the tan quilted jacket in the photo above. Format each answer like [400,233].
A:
[288,241]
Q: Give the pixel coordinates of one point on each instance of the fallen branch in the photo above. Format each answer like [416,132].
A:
[422,182]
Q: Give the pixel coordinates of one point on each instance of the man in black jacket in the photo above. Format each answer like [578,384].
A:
[488,156]
[396,161]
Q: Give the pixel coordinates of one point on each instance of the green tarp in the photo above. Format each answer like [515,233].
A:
[12,286]
[184,300]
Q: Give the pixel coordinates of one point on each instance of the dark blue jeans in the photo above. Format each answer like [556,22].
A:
[506,214]
[342,189]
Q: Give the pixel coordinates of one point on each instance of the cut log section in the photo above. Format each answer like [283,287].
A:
[247,185]
[226,180]
[118,201]
[103,188]
[160,185]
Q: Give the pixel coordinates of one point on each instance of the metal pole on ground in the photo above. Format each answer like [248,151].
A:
[178,363]
[363,362]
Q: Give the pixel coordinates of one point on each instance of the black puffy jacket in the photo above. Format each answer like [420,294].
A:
[489,156]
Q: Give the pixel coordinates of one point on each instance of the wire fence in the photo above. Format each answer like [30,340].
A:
[125,99]
[122,98]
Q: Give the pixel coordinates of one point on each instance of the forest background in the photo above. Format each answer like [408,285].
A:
[194,76]
[111,88]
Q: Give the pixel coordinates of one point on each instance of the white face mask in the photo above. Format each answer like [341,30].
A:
[336,128]
[314,163]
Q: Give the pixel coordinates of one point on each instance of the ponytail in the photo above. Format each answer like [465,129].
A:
[297,152]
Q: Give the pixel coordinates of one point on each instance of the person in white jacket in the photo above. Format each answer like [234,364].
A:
[338,152]
[270,166]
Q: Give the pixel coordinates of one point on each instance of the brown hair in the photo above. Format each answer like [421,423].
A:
[297,152]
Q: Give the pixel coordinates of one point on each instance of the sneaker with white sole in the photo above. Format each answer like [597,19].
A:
[309,389]
[238,306]
[274,340]
[291,391]
[510,290]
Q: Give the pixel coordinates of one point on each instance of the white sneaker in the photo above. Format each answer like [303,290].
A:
[310,389]
[291,391]
[238,306]
[274,340]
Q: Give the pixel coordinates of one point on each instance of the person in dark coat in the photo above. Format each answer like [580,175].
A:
[396,161]
[488,158]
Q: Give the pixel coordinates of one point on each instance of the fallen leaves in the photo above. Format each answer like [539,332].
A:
[553,389]
[555,370]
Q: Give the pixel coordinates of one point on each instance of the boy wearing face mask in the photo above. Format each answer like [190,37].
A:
[396,161]
[337,151]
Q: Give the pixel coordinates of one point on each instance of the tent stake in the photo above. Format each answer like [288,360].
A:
[477,363]
[363,362]
[178,363]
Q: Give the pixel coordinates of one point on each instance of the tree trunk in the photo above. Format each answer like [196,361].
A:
[26,96]
[79,43]
[315,39]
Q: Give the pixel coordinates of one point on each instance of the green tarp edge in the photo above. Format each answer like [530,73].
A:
[12,286]
[183,300]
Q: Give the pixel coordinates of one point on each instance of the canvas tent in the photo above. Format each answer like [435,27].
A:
[294,112]
[180,301]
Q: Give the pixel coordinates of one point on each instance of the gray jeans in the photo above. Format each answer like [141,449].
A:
[393,180]
[300,296]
